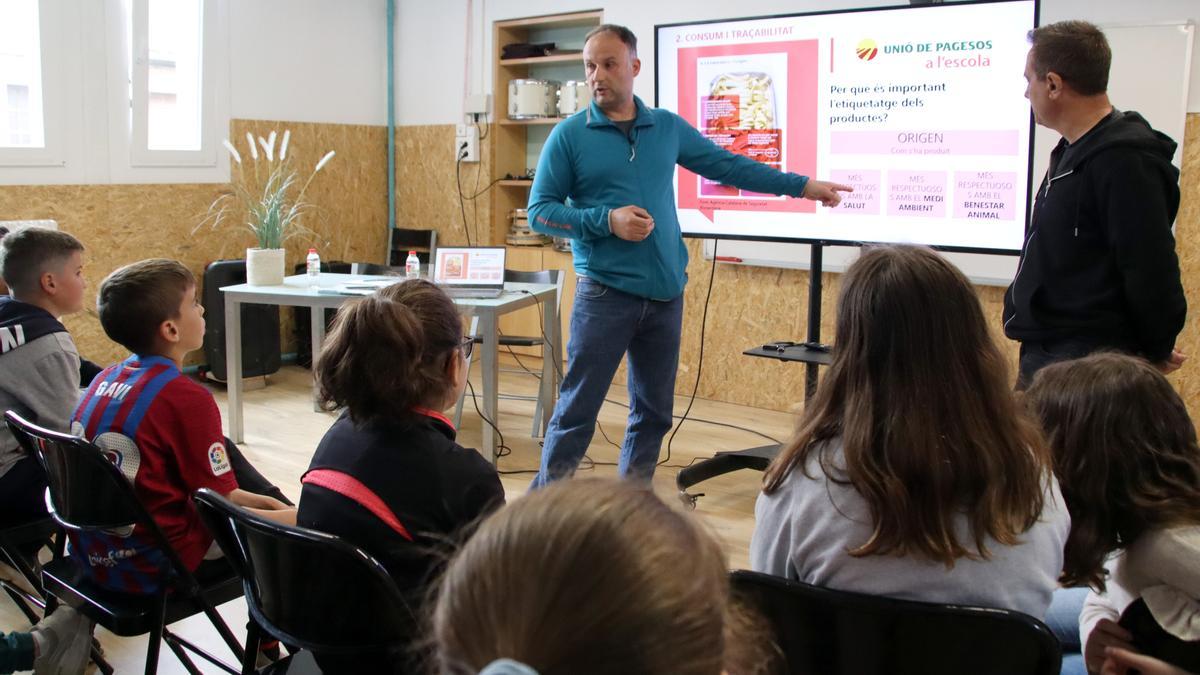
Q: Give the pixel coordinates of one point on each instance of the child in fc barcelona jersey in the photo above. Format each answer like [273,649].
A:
[159,427]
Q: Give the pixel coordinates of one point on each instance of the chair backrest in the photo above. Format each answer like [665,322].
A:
[534,277]
[86,491]
[375,268]
[88,494]
[220,526]
[830,632]
[538,277]
[309,588]
[403,240]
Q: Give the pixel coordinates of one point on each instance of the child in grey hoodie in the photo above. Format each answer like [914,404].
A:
[39,364]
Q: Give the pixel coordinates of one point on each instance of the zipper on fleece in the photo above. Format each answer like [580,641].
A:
[1029,244]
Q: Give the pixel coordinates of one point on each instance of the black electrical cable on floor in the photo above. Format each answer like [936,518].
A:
[502,449]
[701,420]
[699,366]
[558,371]
[695,388]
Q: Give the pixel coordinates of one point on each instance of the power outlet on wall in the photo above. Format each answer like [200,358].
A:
[466,142]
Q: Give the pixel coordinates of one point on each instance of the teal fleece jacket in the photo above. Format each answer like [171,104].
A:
[588,167]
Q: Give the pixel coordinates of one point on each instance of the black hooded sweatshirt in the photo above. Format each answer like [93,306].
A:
[1099,262]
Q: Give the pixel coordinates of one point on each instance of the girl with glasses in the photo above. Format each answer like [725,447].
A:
[389,476]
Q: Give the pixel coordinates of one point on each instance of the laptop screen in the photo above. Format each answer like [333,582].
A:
[469,266]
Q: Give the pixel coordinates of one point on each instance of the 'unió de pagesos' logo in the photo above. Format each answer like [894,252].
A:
[866,49]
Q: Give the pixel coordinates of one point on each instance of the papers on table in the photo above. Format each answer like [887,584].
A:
[360,286]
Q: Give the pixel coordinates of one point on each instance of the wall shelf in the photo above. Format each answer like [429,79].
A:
[538,60]
[515,146]
[540,121]
[587,19]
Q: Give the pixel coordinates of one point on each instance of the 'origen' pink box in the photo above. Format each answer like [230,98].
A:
[923,143]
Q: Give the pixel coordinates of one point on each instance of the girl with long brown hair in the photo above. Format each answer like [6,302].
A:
[592,577]
[1126,454]
[913,473]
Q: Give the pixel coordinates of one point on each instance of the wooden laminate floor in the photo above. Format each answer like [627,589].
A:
[282,431]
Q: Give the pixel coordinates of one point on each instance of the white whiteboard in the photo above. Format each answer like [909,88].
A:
[1159,93]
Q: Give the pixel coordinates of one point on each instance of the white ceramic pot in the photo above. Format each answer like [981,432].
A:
[264,266]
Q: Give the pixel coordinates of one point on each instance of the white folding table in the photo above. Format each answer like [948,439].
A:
[297,291]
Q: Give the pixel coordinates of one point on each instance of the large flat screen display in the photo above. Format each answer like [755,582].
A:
[920,109]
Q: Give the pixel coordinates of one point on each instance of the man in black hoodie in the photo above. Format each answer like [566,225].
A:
[1098,270]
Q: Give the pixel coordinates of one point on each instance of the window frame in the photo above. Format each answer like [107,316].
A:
[52,30]
[141,155]
[131,159]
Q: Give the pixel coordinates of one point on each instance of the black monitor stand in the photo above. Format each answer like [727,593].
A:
[759,458]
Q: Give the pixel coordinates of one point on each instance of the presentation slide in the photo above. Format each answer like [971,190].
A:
[920,109]
[469,265]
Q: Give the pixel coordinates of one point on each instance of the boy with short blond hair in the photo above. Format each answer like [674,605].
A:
[39,364]
[159,427]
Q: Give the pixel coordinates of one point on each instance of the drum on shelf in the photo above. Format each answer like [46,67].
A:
[532,99]
[573,96]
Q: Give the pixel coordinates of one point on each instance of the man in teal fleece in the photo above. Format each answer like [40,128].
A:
[604,180]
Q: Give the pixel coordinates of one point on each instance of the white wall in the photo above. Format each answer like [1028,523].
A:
[431,50]
[439,28]
[325,60]
[311,60]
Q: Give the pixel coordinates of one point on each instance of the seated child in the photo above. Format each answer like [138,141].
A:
[39,365]
[160,428]
[388,476]
[3,285]
[1126,455]
[591,577]
[913,472]
[59,645]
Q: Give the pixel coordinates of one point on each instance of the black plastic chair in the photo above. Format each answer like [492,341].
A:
[522,277]
[402,240]
[308,589]
[88,493]
[376,268]
[15,543]
[826,632]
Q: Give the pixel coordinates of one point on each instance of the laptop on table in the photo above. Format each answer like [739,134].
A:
[470,271]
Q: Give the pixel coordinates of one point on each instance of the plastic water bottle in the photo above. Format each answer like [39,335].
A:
[412,266]
[313,262]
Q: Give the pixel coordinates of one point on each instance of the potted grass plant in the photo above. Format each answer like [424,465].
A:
[273,207]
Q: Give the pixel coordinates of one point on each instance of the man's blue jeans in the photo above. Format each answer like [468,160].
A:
[605,324]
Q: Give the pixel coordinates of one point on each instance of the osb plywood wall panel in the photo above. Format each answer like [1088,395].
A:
[751,306]
[427,182]
[120,224]
[349,220]
[349,195]
[1187,238]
